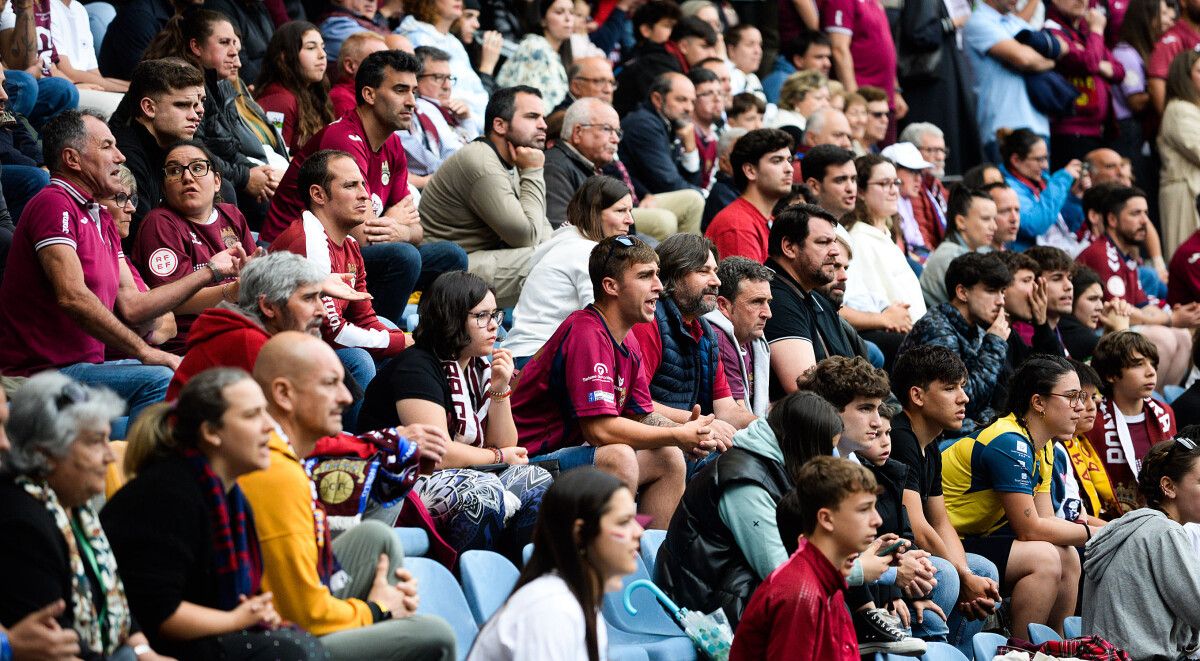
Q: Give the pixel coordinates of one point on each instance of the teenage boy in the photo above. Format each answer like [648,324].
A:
[762,170]
[799,612]
[1130,420]
[829,171]
[584,399]
[930,383]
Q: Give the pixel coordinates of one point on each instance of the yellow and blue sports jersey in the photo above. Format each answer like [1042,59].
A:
[977,469]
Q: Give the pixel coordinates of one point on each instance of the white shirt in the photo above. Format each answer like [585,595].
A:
[558,284]
[70,31]
[879,273]
[542,620]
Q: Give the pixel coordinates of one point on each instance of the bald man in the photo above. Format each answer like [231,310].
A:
[827,126]
[357,598]
[354,50]
[589,78]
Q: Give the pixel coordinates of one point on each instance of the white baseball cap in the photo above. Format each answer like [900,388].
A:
[906,155]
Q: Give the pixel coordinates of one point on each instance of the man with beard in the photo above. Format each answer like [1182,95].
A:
[680,351]
[490,196]
[835,291]
[762,170]
[1114,256]
[659,147]
[804,327]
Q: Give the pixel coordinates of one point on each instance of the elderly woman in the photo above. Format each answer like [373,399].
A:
[54,550]
[802,94]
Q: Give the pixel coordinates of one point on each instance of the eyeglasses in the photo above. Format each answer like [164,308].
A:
[440,78]
[71,394]
[623,239]
[886,183]
[198,169]
[1038,159]
[602,82]
[878,114]
[611,130]
[484,319]
[1073,397]
[939,151]
[122,199]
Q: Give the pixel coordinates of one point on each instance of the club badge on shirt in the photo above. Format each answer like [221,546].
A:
[386,177]
[229,237]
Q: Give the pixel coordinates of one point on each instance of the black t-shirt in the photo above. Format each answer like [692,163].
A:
[1079,340]
[925,466]
[414,374]
[1187,407]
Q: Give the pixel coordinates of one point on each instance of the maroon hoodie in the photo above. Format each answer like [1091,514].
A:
[220,337]
[1080,65]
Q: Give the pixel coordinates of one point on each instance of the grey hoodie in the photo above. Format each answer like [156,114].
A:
[1141,588]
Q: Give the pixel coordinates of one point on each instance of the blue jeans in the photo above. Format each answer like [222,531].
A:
[362,366]
[396,270]
[39,99]
[21,182]
[959,630]
[139,385]
[874,354]
[569,458]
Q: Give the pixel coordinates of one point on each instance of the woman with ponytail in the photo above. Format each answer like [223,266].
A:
[586,540]
[997,489]
[184,534]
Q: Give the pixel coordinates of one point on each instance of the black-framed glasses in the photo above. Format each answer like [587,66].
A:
[198,169]
[603,82]
[71,394]
[440,78]
[623,239]
[878,114]
[610,130]
[483,319]
[1073,397]
[122,199]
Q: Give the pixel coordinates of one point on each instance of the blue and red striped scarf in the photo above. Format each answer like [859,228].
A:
[237,561]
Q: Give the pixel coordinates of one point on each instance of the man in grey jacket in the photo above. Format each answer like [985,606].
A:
[743,308]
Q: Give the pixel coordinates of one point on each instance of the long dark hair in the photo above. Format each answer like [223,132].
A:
[804,423]
[443,313]
[1036,376]
[589,202]
[579,495]
[1016,143]
[175,38]
[1142,26]
[281,66]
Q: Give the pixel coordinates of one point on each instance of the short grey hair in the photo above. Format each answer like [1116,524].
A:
[917,130]
[734,269]
[728,139]
[579,112]
[127,179]
[46,416]
[274,277]
[67,129]
[817,120]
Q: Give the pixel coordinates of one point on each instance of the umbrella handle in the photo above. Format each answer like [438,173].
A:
[654,589]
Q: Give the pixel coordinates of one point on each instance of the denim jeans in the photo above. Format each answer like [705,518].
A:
[395,270]
[39,99]
[139,385]
[959,630]
[21,182]
[944,594]
[362,367]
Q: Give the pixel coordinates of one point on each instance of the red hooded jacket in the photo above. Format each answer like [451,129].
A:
[220,337]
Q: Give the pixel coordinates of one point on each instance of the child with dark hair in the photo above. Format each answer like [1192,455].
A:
[1130,421]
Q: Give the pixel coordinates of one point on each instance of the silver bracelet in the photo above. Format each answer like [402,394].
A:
[216,275]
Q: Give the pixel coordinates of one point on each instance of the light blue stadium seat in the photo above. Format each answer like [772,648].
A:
[441,596]
[652,540]
[414,541]
[1172,392]
[941,652]
[1073,626]
[985,644]
[651,618]
[487,580]
[1040,633]
[526,553]
[657,648]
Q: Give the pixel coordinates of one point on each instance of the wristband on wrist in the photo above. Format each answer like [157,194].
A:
[500,395]
[216,275]
[141,649]
[499,455]
[6,653]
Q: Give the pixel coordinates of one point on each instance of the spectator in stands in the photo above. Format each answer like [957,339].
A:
[22,175]
[857,118]
[132,30]
[930,207]
[973,223]
[973,325]
[661,151]
[1181,37]
[746,112]
[591,133]
[1010,520]
[884,279]
[62,291]
[438,131]
[38,98]
[744,44]
[802,94]
[586,539]
[490,196]
[1088,64]
[253,26]
[1026,306]
[724,191]
[929,382]
[163,106]
[1187,405]
[445,382]
[1054,280]
[863,51]
[654,52]
[1090,314]
[830,172]
[55,464]
[762,171]
[810,51]
[346,18]
[1043,195]
[708,112]
[334,191]
[804,327]
[1145,548]
[558,282]
[679,348]
[1184,272]
[428,23]
[291,86]
[913,232]
[800,610]
[999,63]
[586,385]
[723,540]
[877,120]
[983,175]
[183,531]
[827,126]
[1079,472]
[1141,28]
[589,77]
[391,240]
[1008,213]
[1179,182]
[191,227]
[743,308]
[1127,364]
[1114,257]
[365,608]
[541,58]
[354,50]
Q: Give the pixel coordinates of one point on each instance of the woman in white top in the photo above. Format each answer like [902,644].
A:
[802,94]
[558,282]
[541,59]
[586,539]
[881,282]
[428,24]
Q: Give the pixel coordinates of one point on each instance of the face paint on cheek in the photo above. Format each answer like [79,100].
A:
[620,536]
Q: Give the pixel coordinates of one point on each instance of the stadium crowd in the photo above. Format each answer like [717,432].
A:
[886,313]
